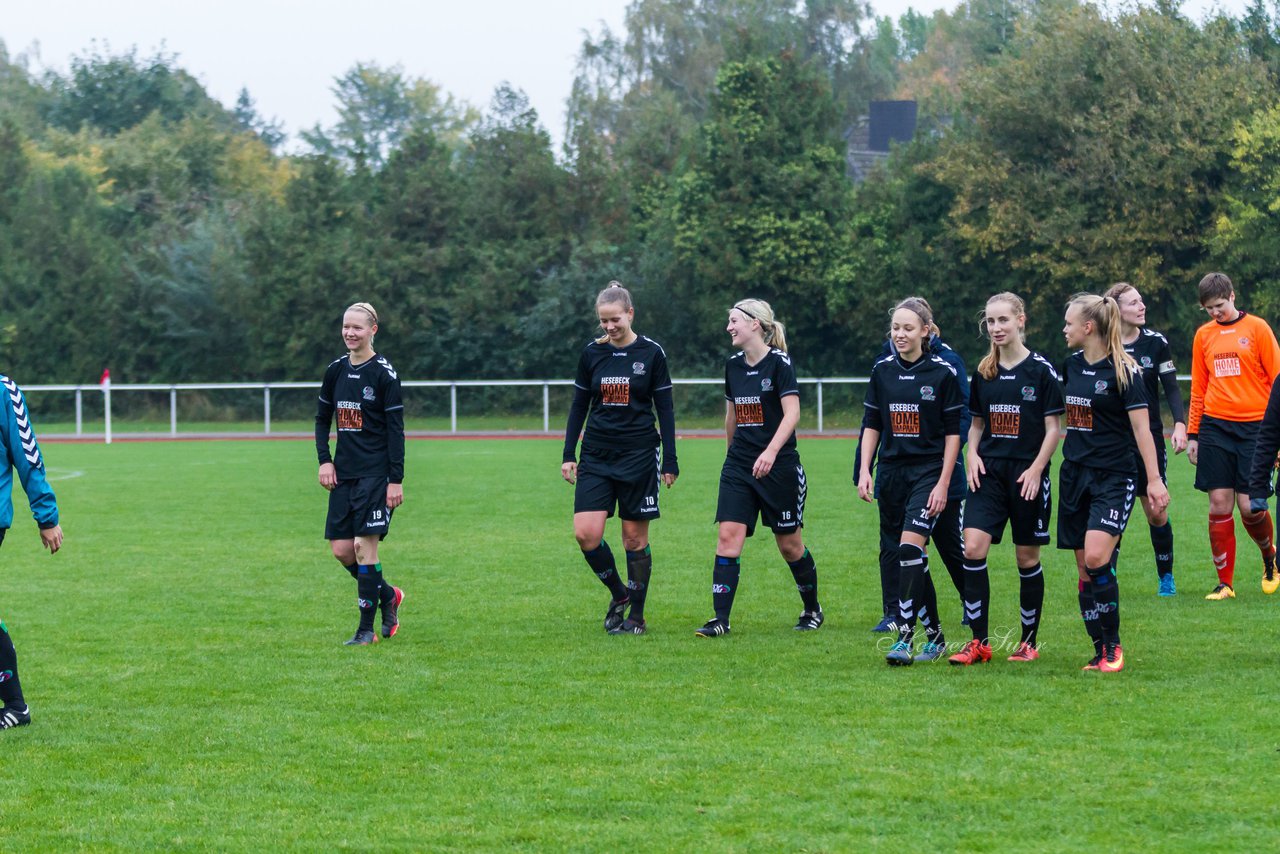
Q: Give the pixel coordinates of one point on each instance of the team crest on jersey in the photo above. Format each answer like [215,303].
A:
[1244,342]
[1146,362]
[1100,387]
[926,392]
[637,368]
[766,384]
[367,392]
[1028,392]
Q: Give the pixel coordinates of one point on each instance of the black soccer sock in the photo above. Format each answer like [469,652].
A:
[386,593]
[1115,555]
[1089,613]
[977,597]
[1106,597]
[354,569]
[724,584]
[948,542]
[805,572]
[910,573]
[927,609]
[10,688]
[639,567]
[1030,601]
[600,559]
[1162,545]
[367,595]
[889,581]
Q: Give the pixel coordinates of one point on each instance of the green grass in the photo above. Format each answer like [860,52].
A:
[184,663]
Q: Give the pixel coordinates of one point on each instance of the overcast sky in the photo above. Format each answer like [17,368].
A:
[287,52]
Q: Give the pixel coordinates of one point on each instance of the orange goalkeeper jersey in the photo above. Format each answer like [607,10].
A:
[1232,368]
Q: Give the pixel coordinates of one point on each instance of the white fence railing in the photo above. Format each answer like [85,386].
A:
[173,390]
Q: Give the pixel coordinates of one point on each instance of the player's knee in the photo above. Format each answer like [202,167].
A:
[588,538]
[634,542]
[344,551]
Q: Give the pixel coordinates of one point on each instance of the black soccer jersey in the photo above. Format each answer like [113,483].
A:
[756,393]
[1152,353]
[1013,406]
[915,406]
[622,382]
[1099,434]
[370,416]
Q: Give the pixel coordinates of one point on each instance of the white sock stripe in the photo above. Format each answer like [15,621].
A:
[976,567]
[915,562]
[1039,569]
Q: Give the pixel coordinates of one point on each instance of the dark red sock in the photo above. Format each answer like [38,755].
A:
[1262,531]
[1222,542]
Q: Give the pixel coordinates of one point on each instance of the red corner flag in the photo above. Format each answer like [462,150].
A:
[106,377]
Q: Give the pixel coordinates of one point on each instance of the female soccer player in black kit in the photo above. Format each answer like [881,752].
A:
[762,475]
[1015,400]
[622,381]
[1151,351]
[365,477]
[1106,417]
[912,409]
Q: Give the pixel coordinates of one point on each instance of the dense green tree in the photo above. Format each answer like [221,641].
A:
[114,92]
[1093,149]
[378,107]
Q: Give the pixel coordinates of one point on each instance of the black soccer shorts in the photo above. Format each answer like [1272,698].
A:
[998,499]
[777,498]
[1226,454]
[904,496]
[1092,499]
[358,508]
[625,478]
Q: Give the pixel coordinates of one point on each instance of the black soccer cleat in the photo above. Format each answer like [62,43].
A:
[713,628]
[362,638]
[810,621]
[391,614]
[613,617]
[629,627]
[12,716]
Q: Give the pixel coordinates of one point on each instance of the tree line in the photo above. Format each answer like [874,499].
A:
[147,227]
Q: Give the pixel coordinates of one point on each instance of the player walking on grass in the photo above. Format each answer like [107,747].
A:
[948,535]
[21,452]
[1015,400]
[622,382]
[1106,418]
[1234,362]
[365,478]
[912,411]
[1151,351]
[762,475]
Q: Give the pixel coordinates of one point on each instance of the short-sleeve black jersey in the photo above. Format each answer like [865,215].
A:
[366,401]
[1099,434]
[622,381]
[914,405]
[1152,353]
[1013,406]
[756,393]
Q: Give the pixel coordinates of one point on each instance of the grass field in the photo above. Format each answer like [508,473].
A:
[184,664]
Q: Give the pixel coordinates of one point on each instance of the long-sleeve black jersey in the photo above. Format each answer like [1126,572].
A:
[756,392]
[370,417]
[1099,433]
[1152,353]
[1013,407]
[914,405]
[617,392]
[1266,447]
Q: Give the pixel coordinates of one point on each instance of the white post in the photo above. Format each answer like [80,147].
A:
[546,407]
[819,406]
[266,409]
[106,410]
[173,411]
[79,411]
[453,407]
